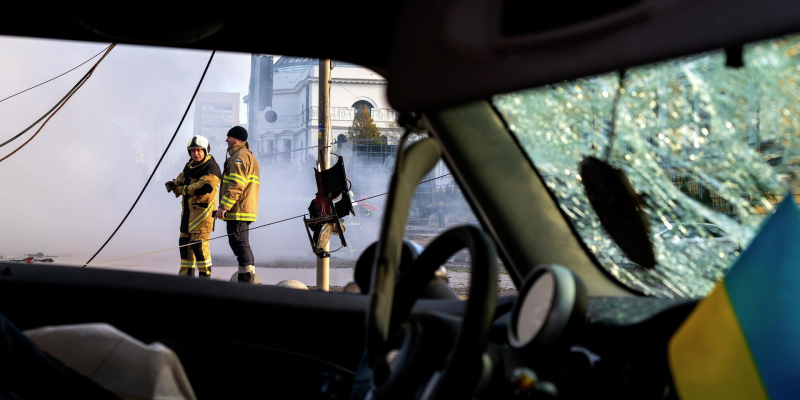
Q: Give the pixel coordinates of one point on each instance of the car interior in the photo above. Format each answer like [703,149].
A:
[574,330]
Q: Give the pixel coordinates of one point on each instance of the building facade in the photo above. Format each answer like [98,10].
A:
[295,99]
[214,115]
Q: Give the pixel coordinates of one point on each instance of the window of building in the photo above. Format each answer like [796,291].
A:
[362,105]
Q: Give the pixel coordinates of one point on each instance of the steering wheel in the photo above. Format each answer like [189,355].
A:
[408,361]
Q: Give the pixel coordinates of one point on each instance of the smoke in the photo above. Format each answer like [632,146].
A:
[66,191]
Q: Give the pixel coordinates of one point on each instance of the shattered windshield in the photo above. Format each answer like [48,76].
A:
[710,147]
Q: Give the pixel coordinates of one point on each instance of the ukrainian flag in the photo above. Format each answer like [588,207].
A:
[743,340]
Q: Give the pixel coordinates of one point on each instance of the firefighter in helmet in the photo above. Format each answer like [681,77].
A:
[198,183]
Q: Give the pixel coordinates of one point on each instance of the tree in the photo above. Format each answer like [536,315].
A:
[363,126]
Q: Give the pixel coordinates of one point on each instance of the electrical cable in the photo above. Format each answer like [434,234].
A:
[192,243]
[245,230]
[382,194]
[57,107]
[45,114]
[342,86]
[52,79]
[159,160]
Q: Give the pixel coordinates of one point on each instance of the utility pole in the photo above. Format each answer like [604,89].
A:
[323,158]
[254,96]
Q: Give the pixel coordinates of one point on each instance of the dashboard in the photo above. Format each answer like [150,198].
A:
[554,342]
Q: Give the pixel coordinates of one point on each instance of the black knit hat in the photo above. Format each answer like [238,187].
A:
[238,132]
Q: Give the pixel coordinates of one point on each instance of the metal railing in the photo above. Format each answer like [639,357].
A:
[337,114]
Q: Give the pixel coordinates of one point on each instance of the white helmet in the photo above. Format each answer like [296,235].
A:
[199,142]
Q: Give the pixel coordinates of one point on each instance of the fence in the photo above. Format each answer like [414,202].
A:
[703,194]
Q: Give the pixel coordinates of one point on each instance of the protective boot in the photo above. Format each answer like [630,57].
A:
[246,274]
[205,274]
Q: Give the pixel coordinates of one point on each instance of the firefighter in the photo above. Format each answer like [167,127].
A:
[238,204]
[198,183]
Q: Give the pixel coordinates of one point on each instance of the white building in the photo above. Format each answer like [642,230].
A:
[295,99]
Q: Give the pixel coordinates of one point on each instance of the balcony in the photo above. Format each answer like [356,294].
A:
[337,114]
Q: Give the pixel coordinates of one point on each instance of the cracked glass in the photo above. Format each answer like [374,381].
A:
[710,149]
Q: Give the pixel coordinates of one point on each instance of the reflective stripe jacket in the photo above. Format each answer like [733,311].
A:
[200,183]
[239,192]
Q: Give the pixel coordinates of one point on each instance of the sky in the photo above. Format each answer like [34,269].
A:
[66,191]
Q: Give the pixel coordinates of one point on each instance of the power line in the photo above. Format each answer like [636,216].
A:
[342,86]
[57,107]
[244,230]
[192,243]
[47,113]
[159,160]
[384,193]
[59,76]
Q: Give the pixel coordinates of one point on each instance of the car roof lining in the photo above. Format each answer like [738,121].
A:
[449,66]
[437,54]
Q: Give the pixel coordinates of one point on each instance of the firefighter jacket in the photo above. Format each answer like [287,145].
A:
[199,184]
[239,192]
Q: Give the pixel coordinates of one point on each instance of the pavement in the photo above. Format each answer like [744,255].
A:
[302,269]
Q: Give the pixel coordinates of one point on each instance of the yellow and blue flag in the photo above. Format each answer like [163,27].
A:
[743,340]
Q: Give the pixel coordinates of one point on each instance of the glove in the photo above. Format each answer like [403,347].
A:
[178,190]
[170,185]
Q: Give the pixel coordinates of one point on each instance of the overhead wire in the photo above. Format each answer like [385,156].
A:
[244,230]
[342,86]
[53,111]
[45,114]
[192,243]
[189,106]
[59,76]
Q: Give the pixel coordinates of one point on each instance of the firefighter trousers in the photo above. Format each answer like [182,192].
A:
[197,255]
[239,239]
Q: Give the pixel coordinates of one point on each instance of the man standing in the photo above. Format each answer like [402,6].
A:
[440,214]
[238,204]
[198,183]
